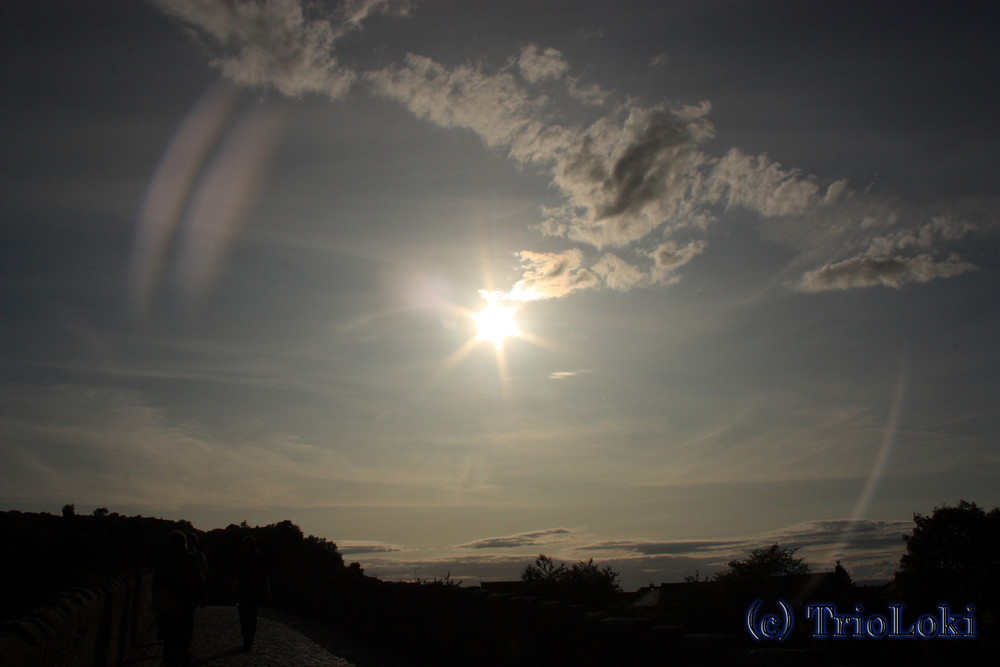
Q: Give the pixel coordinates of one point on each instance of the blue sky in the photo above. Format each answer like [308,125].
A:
[752,248]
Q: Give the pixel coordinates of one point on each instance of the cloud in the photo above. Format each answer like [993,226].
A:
[274,44]
[864,534]
[549,275]
[469,569]
[528,539]
[889,271]
[107,446]
[870,549]
[538,65]
[493,106]
[670,256]
[350,548]
[590,94]
[638,173]
[631,179]
[110,446]
[883,260]
[649,548]
[562,375]
[618,274]
[622,177]
[353,12]
[628,174]
[756,183]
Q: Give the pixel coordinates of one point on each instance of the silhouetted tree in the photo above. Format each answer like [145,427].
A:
[101,512]
[304,571]
[583,582]
[44,553]
[954,552]
[592,584]
[842,575]
[762,563]
[544,570]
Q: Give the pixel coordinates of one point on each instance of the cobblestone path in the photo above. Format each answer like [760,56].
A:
[282,639]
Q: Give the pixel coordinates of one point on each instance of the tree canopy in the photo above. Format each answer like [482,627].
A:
[762,563]
[955,551]
[583,582]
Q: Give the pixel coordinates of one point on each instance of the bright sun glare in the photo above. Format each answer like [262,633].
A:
[496,323]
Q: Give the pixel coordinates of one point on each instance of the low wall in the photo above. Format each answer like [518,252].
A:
[88,626]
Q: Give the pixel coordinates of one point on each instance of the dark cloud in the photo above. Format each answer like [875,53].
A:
[679,547]
[513,541]
[640,174]
[367,549]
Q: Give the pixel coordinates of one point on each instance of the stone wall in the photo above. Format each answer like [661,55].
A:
[93,625]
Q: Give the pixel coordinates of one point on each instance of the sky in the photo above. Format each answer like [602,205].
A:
[751,251]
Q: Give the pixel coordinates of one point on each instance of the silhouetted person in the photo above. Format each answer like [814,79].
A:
[202,562]
[251,587]
[177,588]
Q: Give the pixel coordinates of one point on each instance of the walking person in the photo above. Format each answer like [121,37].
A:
[202,563]
[252,586]
[177,589]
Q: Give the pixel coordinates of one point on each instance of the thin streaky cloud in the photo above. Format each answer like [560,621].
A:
[353,548]
[528,539]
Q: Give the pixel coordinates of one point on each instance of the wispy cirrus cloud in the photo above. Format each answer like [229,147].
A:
[114,446]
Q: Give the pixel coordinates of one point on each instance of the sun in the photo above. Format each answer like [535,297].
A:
[496,323]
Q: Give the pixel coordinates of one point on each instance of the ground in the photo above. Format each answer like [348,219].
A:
[282,639]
